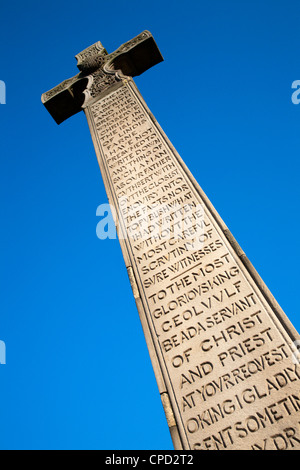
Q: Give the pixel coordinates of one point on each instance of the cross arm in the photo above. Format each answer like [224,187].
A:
[136,56]
[66,99]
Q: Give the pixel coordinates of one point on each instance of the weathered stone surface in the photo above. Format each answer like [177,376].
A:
[221,347]
[226,358]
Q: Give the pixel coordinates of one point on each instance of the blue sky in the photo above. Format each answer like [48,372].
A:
[78,375]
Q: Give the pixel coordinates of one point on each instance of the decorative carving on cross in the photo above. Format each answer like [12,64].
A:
[98,72]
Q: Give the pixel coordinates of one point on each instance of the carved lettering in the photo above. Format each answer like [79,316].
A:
[228,361]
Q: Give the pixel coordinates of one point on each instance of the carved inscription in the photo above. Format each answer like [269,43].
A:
[227,358]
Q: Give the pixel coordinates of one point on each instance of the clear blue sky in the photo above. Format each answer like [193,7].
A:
[78,375]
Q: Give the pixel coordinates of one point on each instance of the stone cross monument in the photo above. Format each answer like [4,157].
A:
[224,353]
